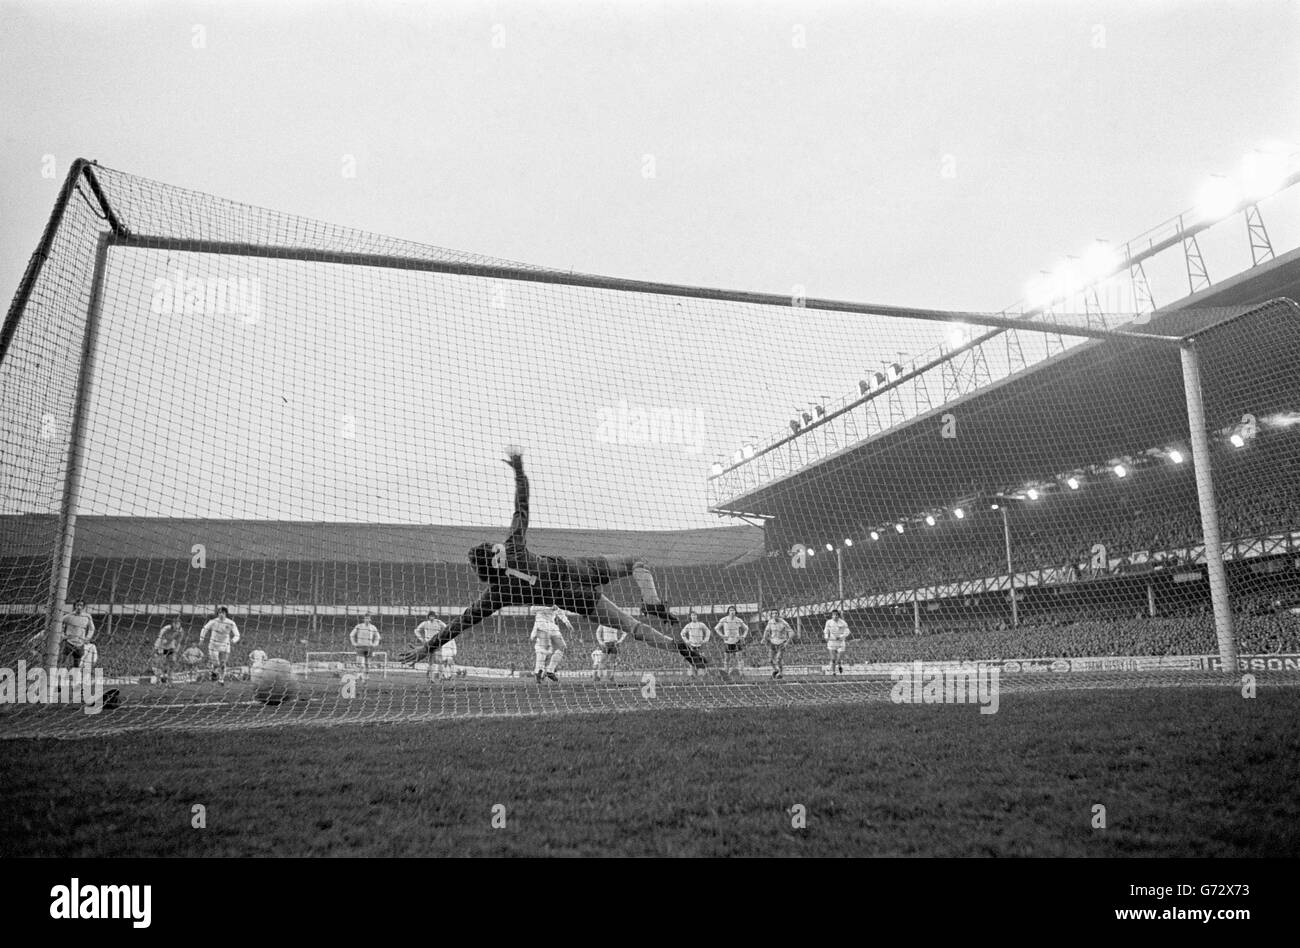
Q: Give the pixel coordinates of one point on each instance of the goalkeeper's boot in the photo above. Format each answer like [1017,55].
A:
[657,610]
[552,676]
[693,656]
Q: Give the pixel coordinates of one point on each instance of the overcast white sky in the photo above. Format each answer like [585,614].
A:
[913,153]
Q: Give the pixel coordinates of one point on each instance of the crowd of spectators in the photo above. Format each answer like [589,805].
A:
[1141,636]
[1147,526]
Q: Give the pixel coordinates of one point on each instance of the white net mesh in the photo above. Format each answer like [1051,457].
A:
[305,424]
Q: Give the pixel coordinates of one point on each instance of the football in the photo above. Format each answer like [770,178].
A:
[274,682]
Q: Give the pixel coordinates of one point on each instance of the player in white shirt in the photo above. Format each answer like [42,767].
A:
[365,639]
[734,631]
[695,634]
[442,661]
[548,641]
[608,639]
[836,634]
[77,629]
[777,634]
[221,633]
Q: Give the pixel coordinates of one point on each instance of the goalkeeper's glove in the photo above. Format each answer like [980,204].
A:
[414,653]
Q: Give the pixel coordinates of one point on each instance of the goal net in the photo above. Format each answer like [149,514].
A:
[212,405]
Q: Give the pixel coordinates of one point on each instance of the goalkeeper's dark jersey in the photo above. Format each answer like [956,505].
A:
[518,577]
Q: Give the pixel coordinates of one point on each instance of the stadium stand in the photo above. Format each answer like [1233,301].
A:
[301,590]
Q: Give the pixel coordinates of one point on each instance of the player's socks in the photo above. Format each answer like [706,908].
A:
[651,604]
[657,610]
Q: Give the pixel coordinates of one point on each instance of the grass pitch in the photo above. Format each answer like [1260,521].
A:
[1180,771]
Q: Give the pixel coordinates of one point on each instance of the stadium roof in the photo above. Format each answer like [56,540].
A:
[171,538]
[1097,400]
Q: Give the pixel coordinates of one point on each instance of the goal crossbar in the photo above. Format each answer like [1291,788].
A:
[591,281]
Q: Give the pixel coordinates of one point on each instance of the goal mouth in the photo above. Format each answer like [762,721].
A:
[209,405]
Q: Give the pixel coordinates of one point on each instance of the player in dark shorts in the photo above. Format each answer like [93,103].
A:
[518,577]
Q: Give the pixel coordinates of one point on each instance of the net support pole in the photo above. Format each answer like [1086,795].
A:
[1201,464]
[1011,573]
[37,261]
[62,565]
[839,569]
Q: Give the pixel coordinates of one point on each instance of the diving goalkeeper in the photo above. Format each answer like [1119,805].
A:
[518,577]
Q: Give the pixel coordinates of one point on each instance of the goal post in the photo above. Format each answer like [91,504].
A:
[71,500]
[1251,358]
[1203,466]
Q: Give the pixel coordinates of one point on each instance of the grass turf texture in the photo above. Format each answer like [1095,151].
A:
[1181,772]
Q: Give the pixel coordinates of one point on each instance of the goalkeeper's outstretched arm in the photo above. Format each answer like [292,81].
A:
[488,604]
[519,522]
